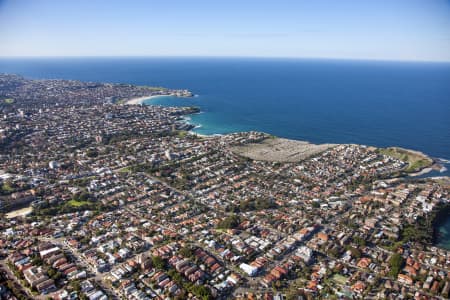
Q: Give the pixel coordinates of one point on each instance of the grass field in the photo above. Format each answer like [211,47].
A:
[340,279]
[77,203]
[6,187]
[8,101]
[124,170]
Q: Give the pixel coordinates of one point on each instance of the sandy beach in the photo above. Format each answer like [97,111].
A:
[140,100]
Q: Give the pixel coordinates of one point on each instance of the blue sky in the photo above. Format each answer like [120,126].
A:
[351,29]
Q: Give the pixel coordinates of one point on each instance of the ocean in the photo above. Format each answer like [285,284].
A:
[444,234]
[375,103]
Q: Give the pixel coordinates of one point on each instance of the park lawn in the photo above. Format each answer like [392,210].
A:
[6,187]
[182,133]
[416,160]
[77,203]
[125,169]
[340,279]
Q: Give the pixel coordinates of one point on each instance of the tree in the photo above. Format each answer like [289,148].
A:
[334,252]
[229,222]
[37,261]
[396,263]
[355,252]
[186,251]
[202,292]
[158,262]
[92,153]
[359,241]
[51,272]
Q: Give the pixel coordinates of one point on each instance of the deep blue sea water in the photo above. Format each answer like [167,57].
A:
[444,234]
[334,101]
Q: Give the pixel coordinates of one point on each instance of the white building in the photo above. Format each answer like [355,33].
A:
[250,270]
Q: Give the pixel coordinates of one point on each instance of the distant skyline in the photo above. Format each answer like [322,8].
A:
[416,30]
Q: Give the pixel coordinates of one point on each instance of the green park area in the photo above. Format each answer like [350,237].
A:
[77,203]
[340,279]
[8,101]
[415,160]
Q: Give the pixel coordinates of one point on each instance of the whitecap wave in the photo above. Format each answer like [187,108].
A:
[443,160]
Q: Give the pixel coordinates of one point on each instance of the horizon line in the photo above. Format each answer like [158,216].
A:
[226,57]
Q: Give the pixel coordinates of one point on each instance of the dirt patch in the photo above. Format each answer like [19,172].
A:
[280,150]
